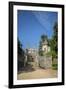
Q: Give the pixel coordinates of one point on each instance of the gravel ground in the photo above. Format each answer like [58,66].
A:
[37,74]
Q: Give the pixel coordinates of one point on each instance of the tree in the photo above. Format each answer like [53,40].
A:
[21,55]
[19,47]
[56,37]
[19,44]
[54,41]
[43,38]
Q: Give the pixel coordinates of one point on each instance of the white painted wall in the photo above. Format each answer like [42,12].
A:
[45,48]
[4,44]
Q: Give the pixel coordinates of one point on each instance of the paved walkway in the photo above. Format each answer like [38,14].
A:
[37,74]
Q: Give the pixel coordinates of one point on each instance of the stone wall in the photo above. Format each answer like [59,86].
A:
[20,61]
[45,62]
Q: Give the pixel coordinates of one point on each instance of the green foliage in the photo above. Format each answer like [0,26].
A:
[21,56]
[55,66]
[20,49]
[49,54]
[43,38]
[41,53]
[19,44]
[54,41]
[53,54]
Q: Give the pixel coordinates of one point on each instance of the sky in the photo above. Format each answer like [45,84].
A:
[32,24]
